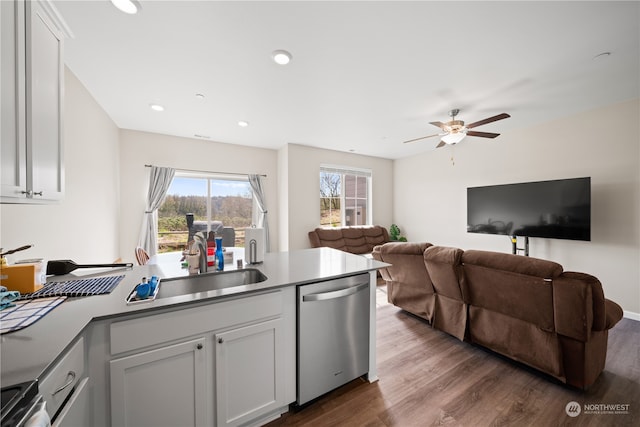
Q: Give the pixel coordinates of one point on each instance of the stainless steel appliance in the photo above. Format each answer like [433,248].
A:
[333,334]
[22,405]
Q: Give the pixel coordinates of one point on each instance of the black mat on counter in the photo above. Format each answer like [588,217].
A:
[77,288]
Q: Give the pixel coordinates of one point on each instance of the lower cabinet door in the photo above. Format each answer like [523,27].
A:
[161,387]
[249,372]
[77,411]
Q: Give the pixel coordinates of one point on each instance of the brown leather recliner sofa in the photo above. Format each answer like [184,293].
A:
[525,308]
[357,240]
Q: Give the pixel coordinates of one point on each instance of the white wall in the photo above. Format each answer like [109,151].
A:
[301,170]
[140,148]
[430,192]
[84,226]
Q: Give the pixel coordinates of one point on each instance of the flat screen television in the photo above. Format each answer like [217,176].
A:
[558,209]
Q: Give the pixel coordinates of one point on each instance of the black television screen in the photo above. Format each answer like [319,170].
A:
[559,209]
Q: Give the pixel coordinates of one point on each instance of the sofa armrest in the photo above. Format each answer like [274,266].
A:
[613,314]
[314,240]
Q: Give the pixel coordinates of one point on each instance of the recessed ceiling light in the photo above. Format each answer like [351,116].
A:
[199,96]
[281,57]
[156,107]
[243,124]
[126,6]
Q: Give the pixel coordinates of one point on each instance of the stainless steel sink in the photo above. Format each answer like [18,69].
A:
[209,281]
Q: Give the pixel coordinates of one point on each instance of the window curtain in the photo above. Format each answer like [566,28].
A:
[159,182]
[258,193]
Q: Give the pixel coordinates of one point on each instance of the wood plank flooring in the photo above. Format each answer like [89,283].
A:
[428,378]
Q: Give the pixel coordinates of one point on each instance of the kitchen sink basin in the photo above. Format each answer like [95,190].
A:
[209,281]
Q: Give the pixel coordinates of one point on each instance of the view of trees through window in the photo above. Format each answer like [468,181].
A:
[343,198]
[208,199]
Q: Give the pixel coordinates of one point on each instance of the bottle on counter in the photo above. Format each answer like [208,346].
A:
[219,254]
[211,248]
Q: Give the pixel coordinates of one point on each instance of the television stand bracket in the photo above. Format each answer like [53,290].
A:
[514,246]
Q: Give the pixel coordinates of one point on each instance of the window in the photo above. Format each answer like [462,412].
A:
[212,200]
[344,196]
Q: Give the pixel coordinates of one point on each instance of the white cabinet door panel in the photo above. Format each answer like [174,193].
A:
[249,372]
[162,387]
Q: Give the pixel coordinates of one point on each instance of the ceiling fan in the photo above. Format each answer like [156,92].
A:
[455,130]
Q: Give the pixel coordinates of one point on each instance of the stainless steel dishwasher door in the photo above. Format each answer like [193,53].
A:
[333,334]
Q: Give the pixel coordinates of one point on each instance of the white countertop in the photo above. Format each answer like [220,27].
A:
[25,354]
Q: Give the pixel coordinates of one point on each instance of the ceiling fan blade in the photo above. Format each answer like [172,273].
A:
[422,137]
[442,144]
[482,134]
[438,124]
[488,120]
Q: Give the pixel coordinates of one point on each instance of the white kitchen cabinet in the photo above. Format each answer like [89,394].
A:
[228,362]
[32,96]
[165,386]
[63,379]
[249,372]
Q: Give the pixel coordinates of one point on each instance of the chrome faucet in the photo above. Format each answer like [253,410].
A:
[201,243]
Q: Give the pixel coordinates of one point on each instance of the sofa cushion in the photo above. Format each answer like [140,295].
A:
[408,283]
[354,240]
[513,285]
[327,237]
[514,263]
[444,265]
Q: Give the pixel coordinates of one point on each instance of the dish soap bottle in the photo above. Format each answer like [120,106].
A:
[219,254]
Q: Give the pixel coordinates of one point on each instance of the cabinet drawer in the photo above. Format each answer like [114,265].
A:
[60,381]
[160,328]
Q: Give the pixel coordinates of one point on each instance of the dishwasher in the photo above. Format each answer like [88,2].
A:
[333,334]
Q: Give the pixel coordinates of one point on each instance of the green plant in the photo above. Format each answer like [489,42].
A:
[394,234]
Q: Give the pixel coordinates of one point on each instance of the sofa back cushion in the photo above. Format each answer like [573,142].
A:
[444,265]
[520,287]
[356,240]
[408,283]
[331,238]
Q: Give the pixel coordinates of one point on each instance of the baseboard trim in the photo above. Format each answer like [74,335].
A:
[631,315]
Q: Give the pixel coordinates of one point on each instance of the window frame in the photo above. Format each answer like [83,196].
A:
[356,172]
[208,177]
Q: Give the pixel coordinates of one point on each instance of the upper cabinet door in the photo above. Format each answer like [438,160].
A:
[13,172]
[44,88]
[32,101]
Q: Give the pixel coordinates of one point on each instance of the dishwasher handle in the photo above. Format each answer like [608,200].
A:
[335,294]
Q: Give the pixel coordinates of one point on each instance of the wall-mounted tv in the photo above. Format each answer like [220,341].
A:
[558,209]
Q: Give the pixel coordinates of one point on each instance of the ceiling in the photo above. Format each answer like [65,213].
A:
[364,76]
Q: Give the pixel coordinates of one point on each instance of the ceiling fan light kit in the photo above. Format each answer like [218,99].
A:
[455,130]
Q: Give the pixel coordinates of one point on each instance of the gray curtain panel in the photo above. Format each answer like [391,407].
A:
[258,193]
[159,181]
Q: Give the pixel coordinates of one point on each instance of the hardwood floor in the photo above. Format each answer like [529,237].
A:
[428,378]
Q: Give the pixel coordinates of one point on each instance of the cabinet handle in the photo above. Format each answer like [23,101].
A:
[37,193]
[73,378]
[199,346]
[220,340]
[28,193]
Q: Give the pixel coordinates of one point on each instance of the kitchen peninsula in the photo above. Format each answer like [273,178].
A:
[224,356]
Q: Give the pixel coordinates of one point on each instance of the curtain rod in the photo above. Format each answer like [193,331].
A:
[221,173]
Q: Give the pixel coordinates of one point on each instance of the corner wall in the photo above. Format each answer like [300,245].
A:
[82,227]
[430,192]
[302,188]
